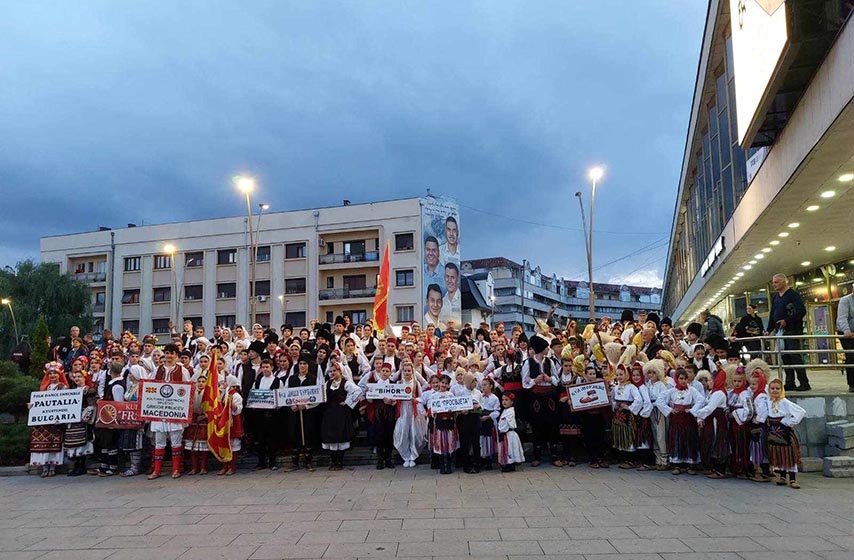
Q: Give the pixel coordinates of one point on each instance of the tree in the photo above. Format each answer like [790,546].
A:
[39,348]
[40,289]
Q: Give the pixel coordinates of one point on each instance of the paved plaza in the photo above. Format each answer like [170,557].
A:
[570,513]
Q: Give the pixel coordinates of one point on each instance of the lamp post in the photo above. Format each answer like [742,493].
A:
[246,185]
[595,175]
[170,248]
[492,312]
[8,303]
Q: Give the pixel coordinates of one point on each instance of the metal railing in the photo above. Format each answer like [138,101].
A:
[338,258]
[819,351]
[90,276]
[347,293]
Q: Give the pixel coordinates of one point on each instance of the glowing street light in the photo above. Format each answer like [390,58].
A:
[8,303]
[595,174]
[246,185]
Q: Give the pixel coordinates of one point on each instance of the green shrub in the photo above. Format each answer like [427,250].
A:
[39,352]
[15,390]
[14,444]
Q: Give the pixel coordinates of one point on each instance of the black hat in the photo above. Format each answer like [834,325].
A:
[627,315]
[305,357]
[694,328]
[538,344]
[185,354]
[257,346]
[339,320]
[717,342]
[732,352]
[271,338]
[324,334]
[555,342]
[667,321]
[654,318]
[523,338]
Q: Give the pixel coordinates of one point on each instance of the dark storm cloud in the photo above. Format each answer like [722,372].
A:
[143,113]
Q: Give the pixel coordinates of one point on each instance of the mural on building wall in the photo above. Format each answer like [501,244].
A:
[440,236]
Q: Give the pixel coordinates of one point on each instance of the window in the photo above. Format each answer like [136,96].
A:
[405,313]
[404,278]
[330,283]
[295,318]
[357,317]
[404,241]
[197,321]
[263,319]
[130,296]
[263,253]
[193,260]
[355,282]
[354,247]
[226,321]
[262,288]
[100,298]
[132,326]
[160,326]
[295,286]
[193,292]
[133,264]
[329,318]
[162,294]
[227,290]
[226,256]
[295,251]
[162,262]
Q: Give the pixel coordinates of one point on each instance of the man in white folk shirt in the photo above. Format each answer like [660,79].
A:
[452,301]
[449,251]
[165,430]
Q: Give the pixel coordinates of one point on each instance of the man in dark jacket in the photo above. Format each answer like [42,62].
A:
[787,317]
[651,345]
[712,325]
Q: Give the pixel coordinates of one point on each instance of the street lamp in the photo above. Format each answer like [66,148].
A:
[246,185]
[8,303]
[492,312]
[173,299]
[595,174]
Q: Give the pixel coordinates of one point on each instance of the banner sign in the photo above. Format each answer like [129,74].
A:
[588,395]
[440,269]
[56,407]
[451,404]
[261,398]
[391,391]
[162,401]
[296,396]
[118,415]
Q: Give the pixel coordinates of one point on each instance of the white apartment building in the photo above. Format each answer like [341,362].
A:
[312,264]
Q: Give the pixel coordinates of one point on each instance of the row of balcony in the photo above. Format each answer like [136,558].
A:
[339,258]
[347,293]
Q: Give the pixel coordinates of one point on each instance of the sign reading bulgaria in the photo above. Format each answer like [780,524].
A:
[391,391]
[297,396]
[162,401]
[451,404]
[56,407]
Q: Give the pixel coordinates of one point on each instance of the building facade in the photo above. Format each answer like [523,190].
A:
[521,293]
[768,164]
[311,264]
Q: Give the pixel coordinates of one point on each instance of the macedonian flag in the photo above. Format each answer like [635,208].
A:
[219,417]
[381,297]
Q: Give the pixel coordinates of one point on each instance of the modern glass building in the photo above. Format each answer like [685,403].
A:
[768,164]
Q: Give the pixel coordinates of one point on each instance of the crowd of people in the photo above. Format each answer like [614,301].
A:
[682,401]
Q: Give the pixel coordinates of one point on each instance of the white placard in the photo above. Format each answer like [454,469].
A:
[451,404]
[588,395]
[56,407]
[296,396]
[393,391]
[161,401]
[262,398]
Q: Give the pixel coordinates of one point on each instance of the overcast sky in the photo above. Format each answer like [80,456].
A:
[142,112]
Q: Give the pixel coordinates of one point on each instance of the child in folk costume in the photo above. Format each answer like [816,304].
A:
[593,423]
[107,440]
[336,427]
[657,382]
[229,388]
[569,423]
[46,441]
[490,408]
[784,448]
[167,431]
[740,406]
[131,440]
[682,436]
[626,403]
[445,439]
[540,375]
[510,449]
[468,426]
[643,432]
[385,412]
[410,430]
[760,469]
[305,424]
[712,420]
[432,391]
[265,421]
[196,434]
[78,436]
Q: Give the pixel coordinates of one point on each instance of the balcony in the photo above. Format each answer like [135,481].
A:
[98,308]
[347,293]
[90,276]
[342,258]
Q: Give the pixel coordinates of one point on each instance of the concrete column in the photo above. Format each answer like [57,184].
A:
[243,288]
[146,294]
[209,292]
[277,284]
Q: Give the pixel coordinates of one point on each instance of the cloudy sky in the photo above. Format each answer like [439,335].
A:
[142,112]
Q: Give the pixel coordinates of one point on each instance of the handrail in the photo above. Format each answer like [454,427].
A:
[771,350]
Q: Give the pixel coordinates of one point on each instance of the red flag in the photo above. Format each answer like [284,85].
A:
[381,297]
[219,417]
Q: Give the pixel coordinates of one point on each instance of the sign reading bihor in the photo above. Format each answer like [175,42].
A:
[389,391]
[588,395]
[451,404]
[440,284]
[118,415]
[261,398]
[165,401]
[296,396]
[55,407]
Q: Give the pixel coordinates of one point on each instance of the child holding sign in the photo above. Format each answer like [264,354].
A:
[410,431]
[445,439]
[385,413]
[265,420]
[46,441]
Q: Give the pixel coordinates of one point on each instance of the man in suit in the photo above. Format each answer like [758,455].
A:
[651,345]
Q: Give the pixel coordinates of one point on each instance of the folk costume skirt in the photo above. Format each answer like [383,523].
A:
[683,438]
[784,447]
[623,430]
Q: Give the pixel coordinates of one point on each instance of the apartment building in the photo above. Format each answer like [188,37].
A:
[311,264]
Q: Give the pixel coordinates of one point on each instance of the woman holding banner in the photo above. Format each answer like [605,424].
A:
[46,441]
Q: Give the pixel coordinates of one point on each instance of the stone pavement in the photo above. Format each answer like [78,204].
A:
[570,513]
